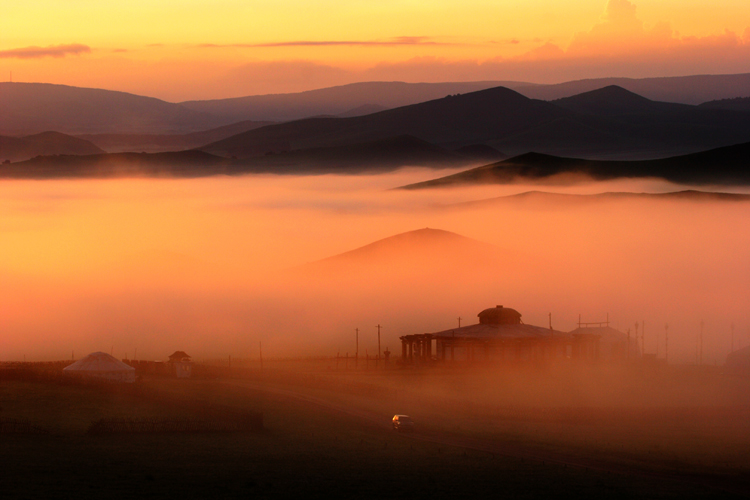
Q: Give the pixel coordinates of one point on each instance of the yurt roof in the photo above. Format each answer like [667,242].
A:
[98,362]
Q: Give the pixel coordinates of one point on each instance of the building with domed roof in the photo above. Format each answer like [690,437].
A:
[501,336]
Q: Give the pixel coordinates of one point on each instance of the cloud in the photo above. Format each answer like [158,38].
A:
[619,44]
[397,41]
[50,51]
[621,33]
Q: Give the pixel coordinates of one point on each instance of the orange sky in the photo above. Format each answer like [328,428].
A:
[197,49]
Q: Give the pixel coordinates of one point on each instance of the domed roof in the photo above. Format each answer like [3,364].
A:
[99,362]
[499,316]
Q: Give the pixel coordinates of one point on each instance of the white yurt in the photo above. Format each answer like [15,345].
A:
[100,365]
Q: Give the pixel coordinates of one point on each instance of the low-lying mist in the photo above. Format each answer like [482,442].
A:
[214,266]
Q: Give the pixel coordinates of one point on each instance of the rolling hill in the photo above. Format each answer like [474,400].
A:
[112,165]
[559,200]
[156,143]
[609,122]
[36,107]
[726,165]
[736,104]
[45,143]
[693,89]
[380,155]
[402,256]
[452,121]
[345,100]
[376,156]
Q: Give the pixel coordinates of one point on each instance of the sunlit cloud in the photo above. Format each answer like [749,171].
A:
[49,51]
[401,40]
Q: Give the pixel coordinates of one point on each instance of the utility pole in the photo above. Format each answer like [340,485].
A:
[378,342]
[459,321]
[551,331]
[356,354]
[666,343]
[627,356]
[637,348]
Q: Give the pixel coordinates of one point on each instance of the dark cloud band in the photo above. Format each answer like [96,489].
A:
[50,51]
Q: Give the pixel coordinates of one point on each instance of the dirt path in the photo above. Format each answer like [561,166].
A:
[505,449]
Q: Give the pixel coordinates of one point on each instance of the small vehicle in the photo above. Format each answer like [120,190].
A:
[403,423]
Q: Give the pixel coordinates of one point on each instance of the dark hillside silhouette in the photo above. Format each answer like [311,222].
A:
[459,120]
[736,104]
[45,143]
[610,122]
[693,89]
[727,165]
[340,100]
[29,108]
[154,143]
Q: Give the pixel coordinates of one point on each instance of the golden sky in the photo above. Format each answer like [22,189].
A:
[198,49]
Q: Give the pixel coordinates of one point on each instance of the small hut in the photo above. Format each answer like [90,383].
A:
[101,366]
[614,345]
[181,364]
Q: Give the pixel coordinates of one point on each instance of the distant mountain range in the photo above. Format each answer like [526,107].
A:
[46,143]
[38,107]
[609,122]
[345,100]
[726,165]
[30,108]
[694,89]
[376,156]
[156,143]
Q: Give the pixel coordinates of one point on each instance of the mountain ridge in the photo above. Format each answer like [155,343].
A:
[725,165]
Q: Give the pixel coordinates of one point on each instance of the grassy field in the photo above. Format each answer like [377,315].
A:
[316,449]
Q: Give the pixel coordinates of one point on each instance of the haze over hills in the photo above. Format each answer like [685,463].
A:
[45,143]
[36,107]
[338,100]
[155,143]
[614,100]
[726,165]
[380,155]
[609,122]
[402,256]
[341,100]
[113,165]
[452,121]
[376,156]
[559,200]
[693,89]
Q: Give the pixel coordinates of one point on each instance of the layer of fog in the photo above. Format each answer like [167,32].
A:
[213,266]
